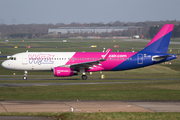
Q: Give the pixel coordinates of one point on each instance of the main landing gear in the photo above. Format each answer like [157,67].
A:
[25,75]
[102,75]
[84,77]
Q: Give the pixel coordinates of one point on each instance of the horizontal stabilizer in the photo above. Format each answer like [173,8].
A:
[159,58]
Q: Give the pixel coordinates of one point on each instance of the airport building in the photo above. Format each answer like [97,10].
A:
[64,30]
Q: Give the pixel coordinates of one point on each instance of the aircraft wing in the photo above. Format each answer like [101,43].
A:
[90,63]
[86,64]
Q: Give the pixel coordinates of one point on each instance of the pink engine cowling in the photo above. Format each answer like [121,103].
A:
[64,72]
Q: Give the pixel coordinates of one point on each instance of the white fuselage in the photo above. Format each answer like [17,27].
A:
[37,60]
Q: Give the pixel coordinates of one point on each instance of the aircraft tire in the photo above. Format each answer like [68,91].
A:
[25,77]
[84,77]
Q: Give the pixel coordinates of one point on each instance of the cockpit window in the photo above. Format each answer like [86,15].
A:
[11,58]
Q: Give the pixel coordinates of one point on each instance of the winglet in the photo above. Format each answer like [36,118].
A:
[107,54]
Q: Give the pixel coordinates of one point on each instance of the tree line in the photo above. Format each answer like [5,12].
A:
[148,29]
[154,29]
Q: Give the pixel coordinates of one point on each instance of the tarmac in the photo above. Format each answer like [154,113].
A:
[88,106]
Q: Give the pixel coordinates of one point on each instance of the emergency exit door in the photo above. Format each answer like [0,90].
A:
[139,58]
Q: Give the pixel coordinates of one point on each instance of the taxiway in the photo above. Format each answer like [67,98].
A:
[89,106]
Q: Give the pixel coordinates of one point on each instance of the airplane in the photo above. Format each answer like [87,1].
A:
[65,64]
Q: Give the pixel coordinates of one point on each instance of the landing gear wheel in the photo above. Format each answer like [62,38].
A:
[102,76]
[84,77]
[25,77]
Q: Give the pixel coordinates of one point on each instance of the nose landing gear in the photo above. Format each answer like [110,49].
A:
[25,75]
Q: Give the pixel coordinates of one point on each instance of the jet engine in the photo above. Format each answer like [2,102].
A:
[64,72]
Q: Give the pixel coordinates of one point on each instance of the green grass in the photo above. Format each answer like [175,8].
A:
[155,72]
[118,91]
[131,91]
[166,86]
[104,116]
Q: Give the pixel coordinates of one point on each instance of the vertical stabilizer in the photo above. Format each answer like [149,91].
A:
[160,43]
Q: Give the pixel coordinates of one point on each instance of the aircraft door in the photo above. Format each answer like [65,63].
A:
[24,59]
[139,58]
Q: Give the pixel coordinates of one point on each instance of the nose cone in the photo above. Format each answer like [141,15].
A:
[5,65]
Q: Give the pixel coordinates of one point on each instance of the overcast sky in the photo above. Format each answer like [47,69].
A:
[87,11]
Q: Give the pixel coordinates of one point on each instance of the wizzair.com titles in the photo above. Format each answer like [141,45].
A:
[120,56]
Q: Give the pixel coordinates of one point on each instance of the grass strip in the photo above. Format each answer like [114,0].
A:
[125,91]
[104,116]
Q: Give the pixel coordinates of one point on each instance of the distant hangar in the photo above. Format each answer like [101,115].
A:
[65,30]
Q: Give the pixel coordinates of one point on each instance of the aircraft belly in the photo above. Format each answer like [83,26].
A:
[31,67]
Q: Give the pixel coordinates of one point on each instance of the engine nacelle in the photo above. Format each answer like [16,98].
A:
[64,72]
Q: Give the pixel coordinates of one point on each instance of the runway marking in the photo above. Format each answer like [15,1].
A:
[4,107]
